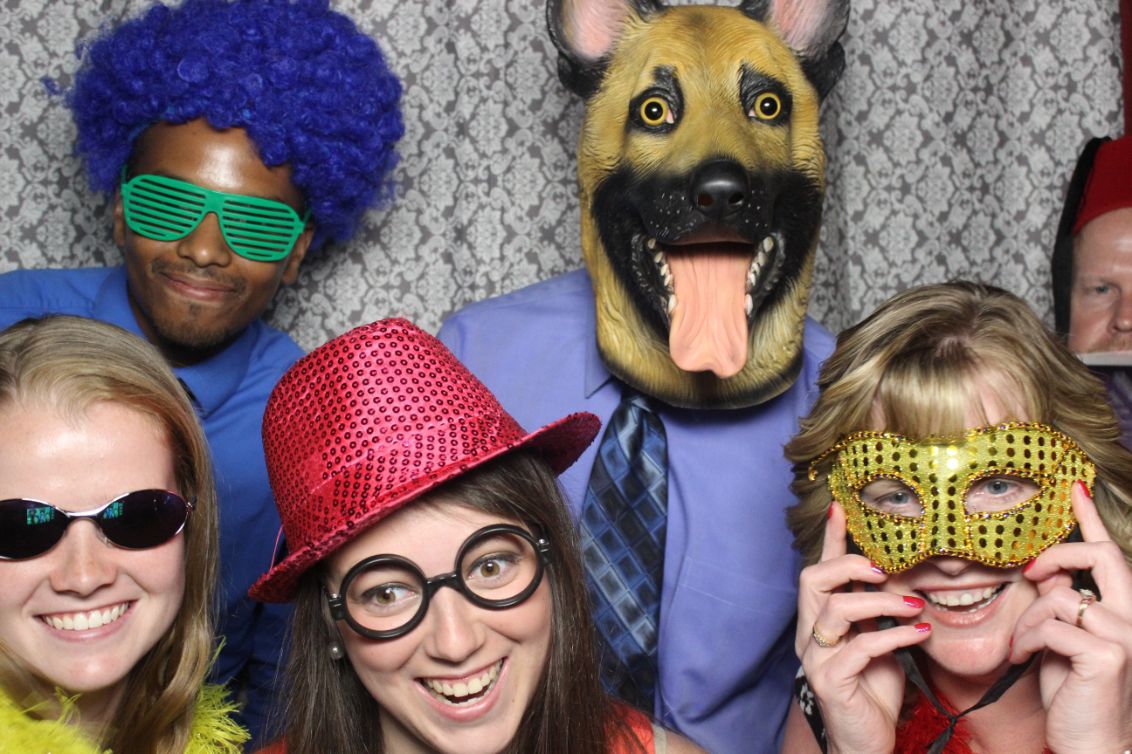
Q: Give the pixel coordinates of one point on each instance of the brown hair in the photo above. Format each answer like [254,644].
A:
[328,708]
[69,364]
[920,360]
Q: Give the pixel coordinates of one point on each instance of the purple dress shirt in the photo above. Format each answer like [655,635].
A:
[726,640]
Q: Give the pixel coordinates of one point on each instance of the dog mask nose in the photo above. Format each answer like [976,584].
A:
[720,189]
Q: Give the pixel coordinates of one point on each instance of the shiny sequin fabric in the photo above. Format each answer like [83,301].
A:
[940,472]
[372,420]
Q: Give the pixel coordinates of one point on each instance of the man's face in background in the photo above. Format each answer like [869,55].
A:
[1100,306]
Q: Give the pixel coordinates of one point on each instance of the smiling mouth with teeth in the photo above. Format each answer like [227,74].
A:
[86,620]
[466,690]
[964,601]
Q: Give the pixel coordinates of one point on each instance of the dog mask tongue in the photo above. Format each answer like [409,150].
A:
[708,330]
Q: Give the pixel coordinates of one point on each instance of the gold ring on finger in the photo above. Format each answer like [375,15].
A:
[821,640]
[1088,597]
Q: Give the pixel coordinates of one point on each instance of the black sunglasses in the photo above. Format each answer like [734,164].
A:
[136,521]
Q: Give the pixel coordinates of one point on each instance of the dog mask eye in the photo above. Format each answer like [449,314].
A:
[654,111]
[768,106]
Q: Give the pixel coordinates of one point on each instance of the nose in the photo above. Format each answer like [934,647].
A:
[454,632]
[949,565]
[720,188]
[1122,319]
[84,562]
[205,246]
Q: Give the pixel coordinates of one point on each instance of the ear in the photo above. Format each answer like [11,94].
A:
[811,29]
[298,253]
[584,32]
[119,221]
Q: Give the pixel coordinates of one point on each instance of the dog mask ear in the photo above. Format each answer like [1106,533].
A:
[584,31]
[811,29]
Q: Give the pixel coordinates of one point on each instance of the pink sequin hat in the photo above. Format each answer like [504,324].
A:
[372,420]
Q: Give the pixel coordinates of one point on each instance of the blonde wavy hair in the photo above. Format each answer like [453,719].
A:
[921,359]
[71,364]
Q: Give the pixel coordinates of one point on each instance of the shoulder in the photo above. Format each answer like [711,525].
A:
[29,293]
[273,351]
[560,299]
[276,747]
[817,343]
[646,735]
[214,731]
[21,732]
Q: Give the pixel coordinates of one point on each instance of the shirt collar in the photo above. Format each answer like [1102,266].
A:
[211,382]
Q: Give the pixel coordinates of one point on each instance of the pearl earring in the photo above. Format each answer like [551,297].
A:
[336,652]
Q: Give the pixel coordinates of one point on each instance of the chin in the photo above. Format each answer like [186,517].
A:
[968,657]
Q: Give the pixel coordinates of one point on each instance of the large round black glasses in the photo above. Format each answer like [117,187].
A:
[386,596]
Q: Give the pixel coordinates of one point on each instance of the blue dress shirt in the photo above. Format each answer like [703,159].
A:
[726,646]
[229,391]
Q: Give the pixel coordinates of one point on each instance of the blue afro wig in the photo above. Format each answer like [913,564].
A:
[310,89]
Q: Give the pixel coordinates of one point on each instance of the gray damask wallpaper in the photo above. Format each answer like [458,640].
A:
[951,137]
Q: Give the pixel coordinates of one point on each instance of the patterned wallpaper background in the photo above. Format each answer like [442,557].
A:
[951,137]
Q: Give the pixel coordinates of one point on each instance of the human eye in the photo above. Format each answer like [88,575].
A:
[494,568]
[1000,492]
[891,496]
[1097,288]
[388,597]
[385,590]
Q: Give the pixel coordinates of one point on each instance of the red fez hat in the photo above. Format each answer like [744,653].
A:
[372,420]
[1110,183]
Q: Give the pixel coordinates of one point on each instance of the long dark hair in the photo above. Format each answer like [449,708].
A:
[328,708]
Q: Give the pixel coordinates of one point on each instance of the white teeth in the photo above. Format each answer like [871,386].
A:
[750,304]
[757,264]
[86,621]
[671,304]
[456,693]
[963,599]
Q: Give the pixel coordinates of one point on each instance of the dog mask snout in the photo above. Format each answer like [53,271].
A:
[720,189]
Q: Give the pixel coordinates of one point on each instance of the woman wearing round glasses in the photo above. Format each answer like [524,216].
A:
[966,509]
[440,602]
[107,549]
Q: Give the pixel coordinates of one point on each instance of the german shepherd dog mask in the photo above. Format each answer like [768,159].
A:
[701,175]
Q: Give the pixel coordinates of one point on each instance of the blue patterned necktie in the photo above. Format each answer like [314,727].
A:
[624,517]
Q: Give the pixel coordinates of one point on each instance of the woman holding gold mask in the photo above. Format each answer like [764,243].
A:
[962,485]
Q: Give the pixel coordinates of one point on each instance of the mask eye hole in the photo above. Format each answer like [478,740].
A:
[891,496]
[768,106]
[654,111]
[999,493]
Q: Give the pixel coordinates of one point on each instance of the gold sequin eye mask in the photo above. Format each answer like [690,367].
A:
[998,495]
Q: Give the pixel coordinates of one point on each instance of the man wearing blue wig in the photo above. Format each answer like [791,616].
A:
[237,137]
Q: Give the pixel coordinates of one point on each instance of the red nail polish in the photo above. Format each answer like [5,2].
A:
[1027,567]
[876,568]
[911,601]
[1084,489]
[829,512]
[923,628]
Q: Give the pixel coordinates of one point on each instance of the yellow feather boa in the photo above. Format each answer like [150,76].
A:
[213,732]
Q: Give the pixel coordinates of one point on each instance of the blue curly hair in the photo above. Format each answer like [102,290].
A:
[309,88]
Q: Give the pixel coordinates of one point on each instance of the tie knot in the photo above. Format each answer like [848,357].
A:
[640,400]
